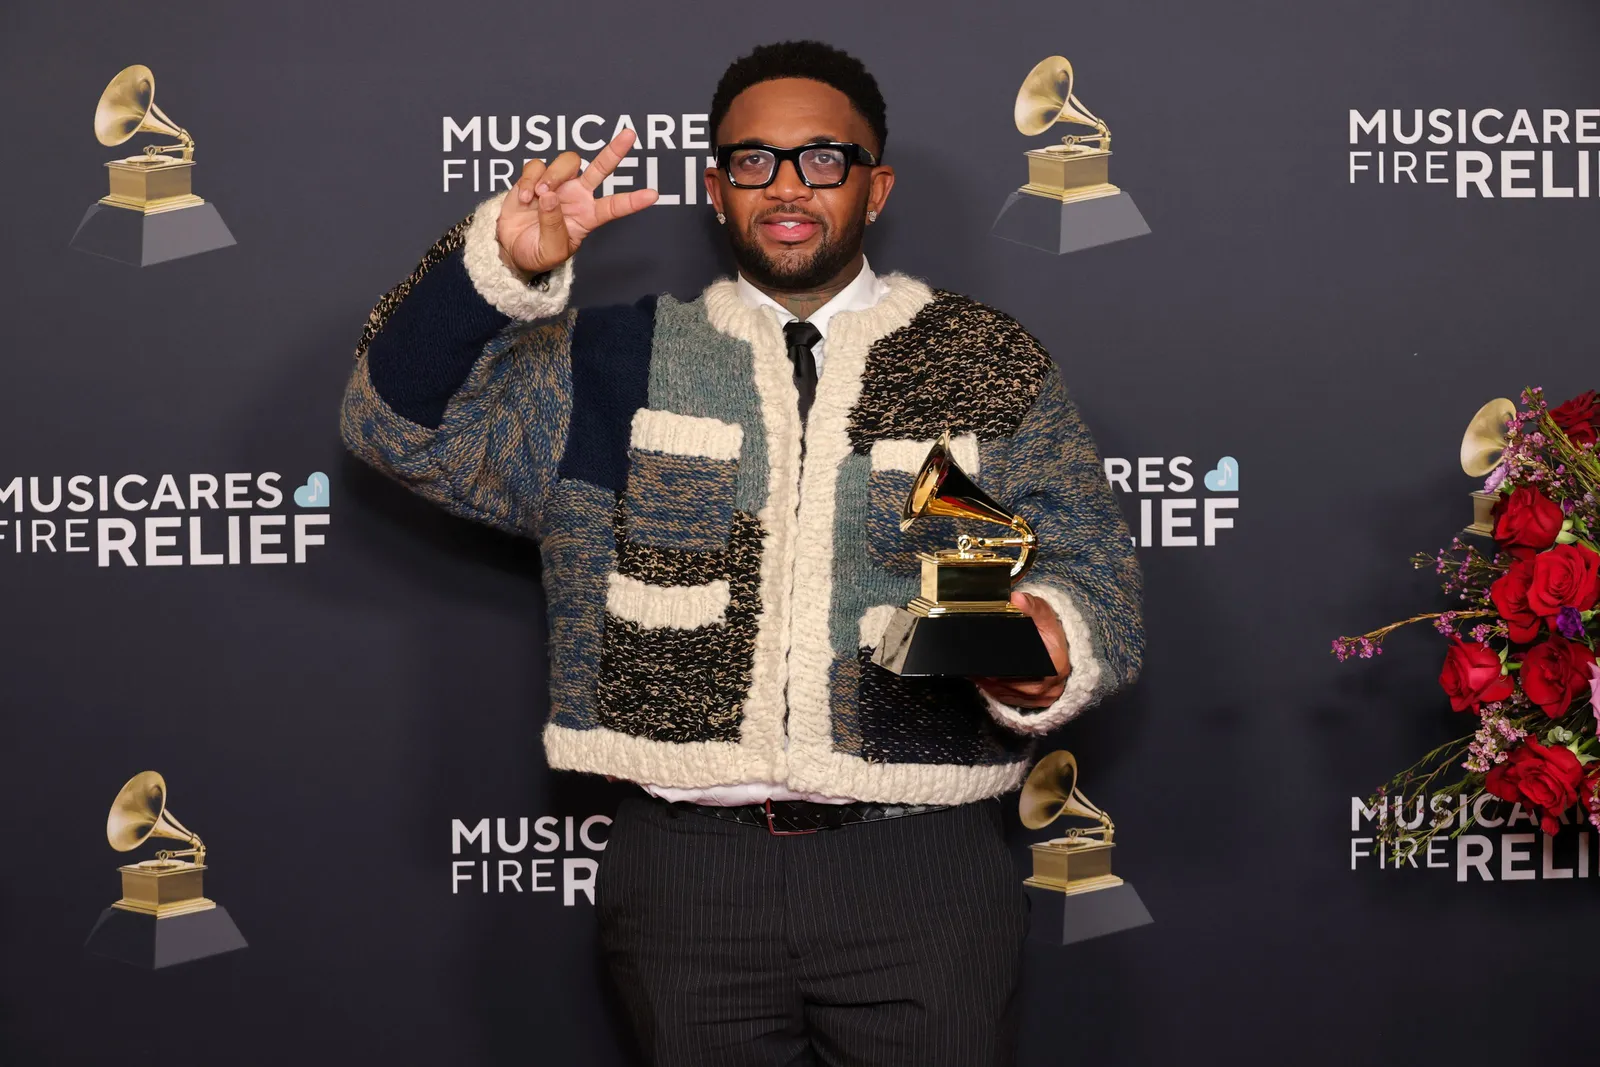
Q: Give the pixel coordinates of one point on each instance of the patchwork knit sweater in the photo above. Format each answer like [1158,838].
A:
[714,601]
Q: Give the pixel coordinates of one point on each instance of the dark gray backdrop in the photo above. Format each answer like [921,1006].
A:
[322,724]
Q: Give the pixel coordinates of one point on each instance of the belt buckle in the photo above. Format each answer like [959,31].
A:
[775,832]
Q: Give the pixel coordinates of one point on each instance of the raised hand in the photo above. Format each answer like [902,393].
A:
[1035,692]
[552,208]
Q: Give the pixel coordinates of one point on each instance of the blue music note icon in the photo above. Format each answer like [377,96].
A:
[314,494]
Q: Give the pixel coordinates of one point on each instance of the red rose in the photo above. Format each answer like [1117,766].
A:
[1578,416]
[1471,676]
[1510,595]
[1554,672]
[1565,576]
[1527,519]
[1545,779]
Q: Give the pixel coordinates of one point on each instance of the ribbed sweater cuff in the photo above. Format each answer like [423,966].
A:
[1082,682]
[507,290]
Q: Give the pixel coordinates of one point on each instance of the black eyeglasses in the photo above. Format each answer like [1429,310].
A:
[820,164]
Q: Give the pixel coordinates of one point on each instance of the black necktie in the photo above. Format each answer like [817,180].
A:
[800,336]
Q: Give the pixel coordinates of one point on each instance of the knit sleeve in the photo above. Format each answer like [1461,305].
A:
[1086,568]
[462,388]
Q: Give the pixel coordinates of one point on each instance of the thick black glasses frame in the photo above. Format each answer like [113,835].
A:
[852,153]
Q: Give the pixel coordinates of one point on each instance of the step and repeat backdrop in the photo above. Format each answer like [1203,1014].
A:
[1362,220]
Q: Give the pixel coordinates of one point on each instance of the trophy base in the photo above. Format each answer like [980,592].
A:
[132,236]
[1058,918]
[151,943]
[1482,514]
[1060,226]
[963,644]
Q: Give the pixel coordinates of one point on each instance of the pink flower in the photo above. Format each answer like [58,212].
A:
[1594,692]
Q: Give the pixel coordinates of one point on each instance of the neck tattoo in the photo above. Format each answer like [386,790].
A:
[801,303]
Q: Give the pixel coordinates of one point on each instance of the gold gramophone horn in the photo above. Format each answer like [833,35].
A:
[1485,438]
[128,106]
[1046,98]
[140,813]
[942,488]
[1051,791]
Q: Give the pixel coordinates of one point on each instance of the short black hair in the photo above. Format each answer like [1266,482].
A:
[804,59]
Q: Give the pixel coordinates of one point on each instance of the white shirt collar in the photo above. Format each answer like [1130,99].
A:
[864,291]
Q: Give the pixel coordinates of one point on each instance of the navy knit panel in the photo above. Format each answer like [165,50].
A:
[426,350]
[610,381]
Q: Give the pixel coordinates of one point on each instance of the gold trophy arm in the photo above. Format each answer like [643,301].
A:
[1102,134]
[1027,547]
[185,139]
[159,149]
[197,848]
[1080,805]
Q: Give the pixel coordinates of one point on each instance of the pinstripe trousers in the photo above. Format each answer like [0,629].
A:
[895,942]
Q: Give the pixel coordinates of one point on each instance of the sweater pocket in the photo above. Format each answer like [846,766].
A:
[682,471]
[681,608]
[895,463]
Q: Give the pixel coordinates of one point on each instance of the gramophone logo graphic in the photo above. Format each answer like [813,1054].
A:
[1074,894]
[1068,203]
[1481,448]
[163,916]
[151,214]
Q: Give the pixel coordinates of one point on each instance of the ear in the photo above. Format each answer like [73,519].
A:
[878,191]
[713,182]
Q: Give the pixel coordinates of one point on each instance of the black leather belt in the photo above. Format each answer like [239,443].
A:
[785,817]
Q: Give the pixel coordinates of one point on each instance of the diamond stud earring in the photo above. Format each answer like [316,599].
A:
[872,216]
[722,219]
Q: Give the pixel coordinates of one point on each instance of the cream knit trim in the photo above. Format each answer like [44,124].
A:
[814,767]
[506,289]
[1081,683]
[761,730]
[680,607]
[680,765]
[904,454]
[908,783]
[685,435]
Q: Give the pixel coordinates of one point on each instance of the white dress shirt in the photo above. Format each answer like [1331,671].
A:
[864,290]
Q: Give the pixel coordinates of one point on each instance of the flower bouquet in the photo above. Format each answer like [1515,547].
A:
[1522,653]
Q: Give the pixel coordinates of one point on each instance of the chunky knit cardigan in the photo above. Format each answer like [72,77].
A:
[715,591]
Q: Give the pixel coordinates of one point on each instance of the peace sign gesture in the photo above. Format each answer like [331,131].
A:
[552,208]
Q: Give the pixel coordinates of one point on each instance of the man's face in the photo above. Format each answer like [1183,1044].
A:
[789,236]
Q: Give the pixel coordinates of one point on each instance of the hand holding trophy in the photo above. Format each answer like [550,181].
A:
[967,621]
[552,209]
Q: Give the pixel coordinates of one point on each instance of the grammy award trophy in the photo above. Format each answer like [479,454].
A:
[151,213]
[1068,202]
[1481,448]
[1073,892]
[163,916]
[964,623]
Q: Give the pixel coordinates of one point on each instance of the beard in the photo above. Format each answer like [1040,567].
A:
[793,269]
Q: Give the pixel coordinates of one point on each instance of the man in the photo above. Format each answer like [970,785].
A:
[815,871]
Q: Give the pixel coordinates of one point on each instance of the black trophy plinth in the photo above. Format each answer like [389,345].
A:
[141,240]
[1067,918]
[151,943]
[1048,224]
[975,644]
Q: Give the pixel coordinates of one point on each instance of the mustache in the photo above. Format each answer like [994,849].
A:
[790,213]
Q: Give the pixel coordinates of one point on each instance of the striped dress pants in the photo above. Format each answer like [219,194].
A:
[895,942]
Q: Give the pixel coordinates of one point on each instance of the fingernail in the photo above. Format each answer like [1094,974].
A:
[542,188]
[525,194]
